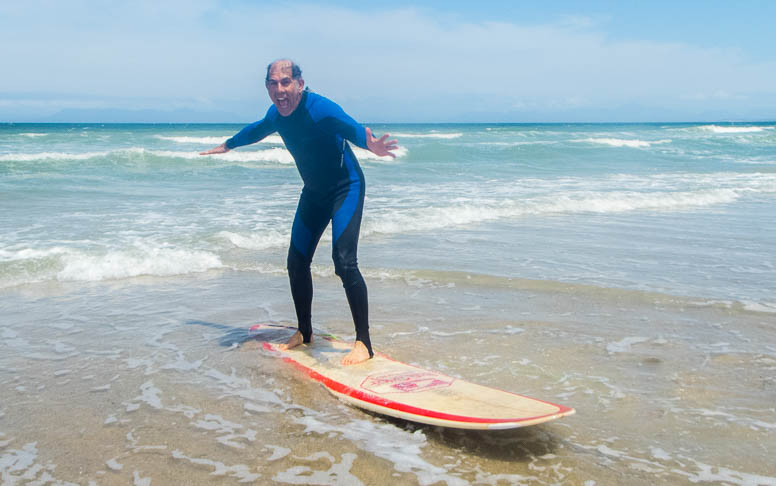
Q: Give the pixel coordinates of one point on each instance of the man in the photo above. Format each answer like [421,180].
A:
[315,129]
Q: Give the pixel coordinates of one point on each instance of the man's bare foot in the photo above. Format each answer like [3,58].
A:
[358,354]
[293,341]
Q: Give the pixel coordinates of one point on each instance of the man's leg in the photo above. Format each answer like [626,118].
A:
[309,223]
[346,225]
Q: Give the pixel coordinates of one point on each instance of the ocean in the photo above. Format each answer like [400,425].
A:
[625,270]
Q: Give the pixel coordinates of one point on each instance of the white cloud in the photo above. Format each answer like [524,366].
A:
[423,63]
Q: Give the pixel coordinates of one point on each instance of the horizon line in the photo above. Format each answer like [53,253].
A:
[632,122]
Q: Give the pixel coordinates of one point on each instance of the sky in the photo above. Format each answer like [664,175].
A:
[390,61]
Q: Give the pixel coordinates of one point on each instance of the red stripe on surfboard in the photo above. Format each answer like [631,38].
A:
[343,389]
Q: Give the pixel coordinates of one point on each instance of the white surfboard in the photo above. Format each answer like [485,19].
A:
[396,389]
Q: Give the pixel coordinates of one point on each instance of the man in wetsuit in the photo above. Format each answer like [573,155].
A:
[315,129]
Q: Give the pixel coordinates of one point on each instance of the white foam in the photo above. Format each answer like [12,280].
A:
[181,364]
[150,395]
[338,473]
[277,155]
[33,135]
[517,144]
[140,481]
[79,266]
[465,212]
[220,425]
[617,142]
[278,452]
[733,129]
[624,346]
[234,385]
[211,140]
[401,448]
[440,135]
[195,140]
[239,471]
[217,423]
[50,156]
[31,253]
[752,423]
[660,454]
[19,466]
[256,241]
[765,307]
[366,155]
[715,473]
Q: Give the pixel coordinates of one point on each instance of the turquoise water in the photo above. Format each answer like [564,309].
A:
[625,270]
[685,209]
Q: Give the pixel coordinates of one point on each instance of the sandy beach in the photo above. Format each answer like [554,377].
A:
[158,382]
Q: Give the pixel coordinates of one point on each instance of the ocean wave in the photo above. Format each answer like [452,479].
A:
[364,155]
[211,140]
[618,142]
[48,156]
[517,144]
[71,264]
[33,135]
[256,241]
[444,136]
[473,211]
[120,264]
[733,129]
[277,154]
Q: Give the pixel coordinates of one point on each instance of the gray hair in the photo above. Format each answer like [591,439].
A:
[296,71]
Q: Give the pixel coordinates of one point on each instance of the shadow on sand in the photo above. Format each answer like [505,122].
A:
[232,335]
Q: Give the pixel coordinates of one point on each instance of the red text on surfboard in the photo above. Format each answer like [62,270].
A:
[406,382]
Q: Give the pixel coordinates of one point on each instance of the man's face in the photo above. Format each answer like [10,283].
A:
[284,91]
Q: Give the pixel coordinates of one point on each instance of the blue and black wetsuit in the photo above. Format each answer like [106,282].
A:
[315,134]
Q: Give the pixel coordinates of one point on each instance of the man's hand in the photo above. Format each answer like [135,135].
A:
[221,149]
[381,146]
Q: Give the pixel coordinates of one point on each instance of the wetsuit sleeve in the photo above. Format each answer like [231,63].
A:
[333,119]
[255,131]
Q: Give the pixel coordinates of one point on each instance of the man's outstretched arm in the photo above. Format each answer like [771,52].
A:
[248,135]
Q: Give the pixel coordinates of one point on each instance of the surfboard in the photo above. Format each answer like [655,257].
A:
[395,389]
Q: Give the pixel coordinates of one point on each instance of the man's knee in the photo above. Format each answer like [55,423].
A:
[296,263]
[347,270]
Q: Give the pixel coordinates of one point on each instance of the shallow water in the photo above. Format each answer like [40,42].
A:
[158,380]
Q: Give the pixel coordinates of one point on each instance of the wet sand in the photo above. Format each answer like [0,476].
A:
[156,381]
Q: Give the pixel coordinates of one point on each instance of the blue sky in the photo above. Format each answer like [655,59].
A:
[392,61]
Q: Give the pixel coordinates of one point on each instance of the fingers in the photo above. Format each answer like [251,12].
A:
[389,145]
[221,149]
[381,146]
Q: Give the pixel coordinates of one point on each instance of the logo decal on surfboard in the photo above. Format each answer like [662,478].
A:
[406,382]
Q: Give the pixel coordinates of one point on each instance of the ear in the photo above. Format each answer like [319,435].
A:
[300,81]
